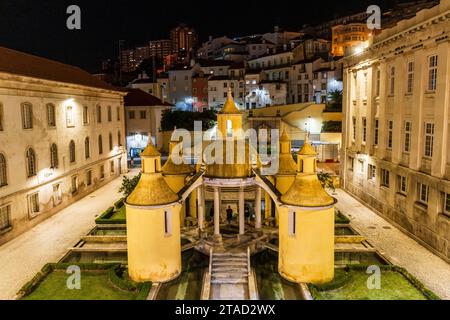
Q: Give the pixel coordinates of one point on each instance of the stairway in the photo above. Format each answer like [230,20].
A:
[229,276]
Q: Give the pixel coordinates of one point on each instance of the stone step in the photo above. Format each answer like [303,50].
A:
[229,259]
[227,264]
[229,275]
[240,255]
[229,281]
[229,269]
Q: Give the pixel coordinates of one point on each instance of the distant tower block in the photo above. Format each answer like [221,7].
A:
[153,225]
[306,226]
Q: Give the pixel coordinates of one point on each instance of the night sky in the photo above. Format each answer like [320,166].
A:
[39,26]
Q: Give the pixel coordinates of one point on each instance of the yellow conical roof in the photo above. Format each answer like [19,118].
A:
[229,106]
[150,150]
[170,168]
[287,165]
[285,136]
[152,190]
[307,150]
[306,191]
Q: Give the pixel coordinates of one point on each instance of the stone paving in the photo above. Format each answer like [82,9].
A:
[24,256]
[399,248]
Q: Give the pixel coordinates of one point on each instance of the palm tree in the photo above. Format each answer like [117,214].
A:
[336,96]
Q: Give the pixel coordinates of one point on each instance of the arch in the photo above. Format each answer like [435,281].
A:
[100,144]
[3,171]
[54,161]
[72,154]
[87,148]
[31,162]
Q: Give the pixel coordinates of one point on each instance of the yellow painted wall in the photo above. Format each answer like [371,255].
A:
[153,256]
[309,255]
[236,120]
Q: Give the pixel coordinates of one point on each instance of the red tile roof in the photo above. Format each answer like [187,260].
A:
[139,98]
[24,64]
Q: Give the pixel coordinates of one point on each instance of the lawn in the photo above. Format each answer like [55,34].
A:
[120,214]
[95,285]
[394,286]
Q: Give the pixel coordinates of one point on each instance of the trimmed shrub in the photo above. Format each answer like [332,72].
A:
[119,204]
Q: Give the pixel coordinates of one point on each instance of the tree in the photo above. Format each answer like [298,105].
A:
[185,119]
[129,184]
[336,96]
[326,180]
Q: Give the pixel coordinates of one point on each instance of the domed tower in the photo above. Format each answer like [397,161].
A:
[175,176]
[153,224]
[306,226]
[287,169]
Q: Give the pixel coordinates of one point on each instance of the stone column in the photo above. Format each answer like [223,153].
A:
[258,208]
[216,211]
[201,208]
[241,211]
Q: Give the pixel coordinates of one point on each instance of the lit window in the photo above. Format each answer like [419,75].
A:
[432,72]
[70,117]
[429,139]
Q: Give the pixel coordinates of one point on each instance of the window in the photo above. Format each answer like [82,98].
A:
[3,172]
[392,81]
[100,144]
[131,115]
[85,115]
[378,82]
[168,223]
[5,218]
[51,115]
[118,113]
[390,134]
[99,114]
[102,172]
[109,114]
[74,184]
[429,139]
[57,194]
[31,163]
[70,121]
[110,141]
[1,118]
[291,223]
[89,177]
[446,203]
[27,116]
[364,130]
[33,205]
[376,132]
[87,148]
[354,128]
[143,114]
[365,85]
[371,173]
[361,166]
[385,178]
[410,78]
[72,155]
[351,163]
[119,138]
[54,161]
[432,72]
[423,192]
[111,166]
[407,145]
[402,185]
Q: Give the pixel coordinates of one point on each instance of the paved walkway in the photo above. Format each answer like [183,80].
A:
[25,255]
[399,248]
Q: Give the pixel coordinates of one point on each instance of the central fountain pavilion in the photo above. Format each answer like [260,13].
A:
[291,203]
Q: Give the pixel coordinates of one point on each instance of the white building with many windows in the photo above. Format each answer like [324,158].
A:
[396,155]
[62,136]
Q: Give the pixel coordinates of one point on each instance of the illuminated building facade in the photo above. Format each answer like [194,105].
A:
[396,155]
[62,136]
[347,37]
